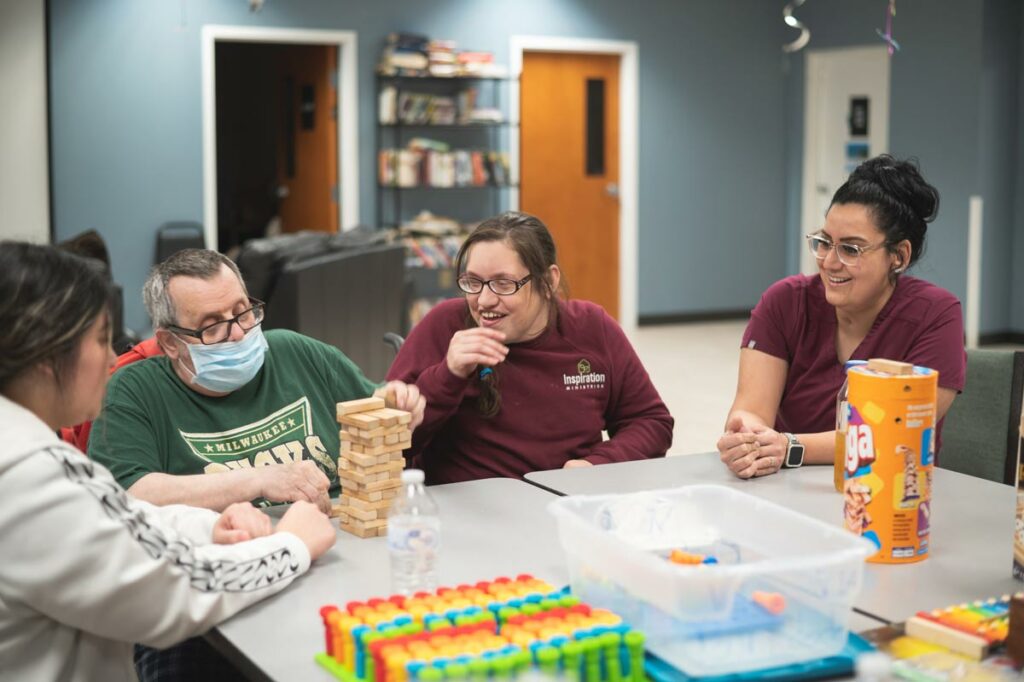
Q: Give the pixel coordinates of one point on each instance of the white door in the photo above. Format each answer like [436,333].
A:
[846,120]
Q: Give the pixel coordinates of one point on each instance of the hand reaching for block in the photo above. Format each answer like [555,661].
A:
[405,397]
[295,481]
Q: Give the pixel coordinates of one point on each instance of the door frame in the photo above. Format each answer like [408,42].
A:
[629,144]
[813,85]
[348,111]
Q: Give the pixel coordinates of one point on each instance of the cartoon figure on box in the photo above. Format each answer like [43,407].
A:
[911,492]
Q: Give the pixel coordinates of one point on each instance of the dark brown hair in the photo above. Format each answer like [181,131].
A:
[48,301]
[530,239]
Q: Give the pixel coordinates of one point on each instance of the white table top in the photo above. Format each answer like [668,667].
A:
[489,528]
[972,525]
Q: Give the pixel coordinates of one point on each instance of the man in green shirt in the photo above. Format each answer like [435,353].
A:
[257,410]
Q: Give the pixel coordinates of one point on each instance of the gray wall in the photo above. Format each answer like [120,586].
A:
[720,124]
[127,123]
[933,110]
[1017,298]
[998,158]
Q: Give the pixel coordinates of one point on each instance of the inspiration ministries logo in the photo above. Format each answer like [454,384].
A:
[584,379]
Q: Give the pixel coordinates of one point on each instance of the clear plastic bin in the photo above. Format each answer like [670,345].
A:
[706,619]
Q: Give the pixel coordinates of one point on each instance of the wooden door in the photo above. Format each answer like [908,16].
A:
[569,166]
[308,138]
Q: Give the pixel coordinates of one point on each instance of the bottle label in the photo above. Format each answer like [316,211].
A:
[414,536]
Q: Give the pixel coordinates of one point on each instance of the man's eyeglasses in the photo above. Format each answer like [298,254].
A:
[218,332]
[848,254]
[502,287]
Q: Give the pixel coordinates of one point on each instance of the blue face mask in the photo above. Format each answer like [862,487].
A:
[226,367]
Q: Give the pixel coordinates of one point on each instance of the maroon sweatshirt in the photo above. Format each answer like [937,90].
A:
[558,392]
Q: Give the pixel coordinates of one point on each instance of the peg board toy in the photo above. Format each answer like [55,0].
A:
[490,630]
[370,463]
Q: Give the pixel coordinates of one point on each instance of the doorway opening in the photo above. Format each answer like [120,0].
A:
[846,121]
[280,148]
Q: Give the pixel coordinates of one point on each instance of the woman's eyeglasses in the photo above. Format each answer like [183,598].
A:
[502,287]
[848,254]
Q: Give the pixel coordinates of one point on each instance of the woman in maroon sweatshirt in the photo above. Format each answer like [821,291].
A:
[517,379]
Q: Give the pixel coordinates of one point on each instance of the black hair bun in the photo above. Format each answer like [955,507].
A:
[902,182]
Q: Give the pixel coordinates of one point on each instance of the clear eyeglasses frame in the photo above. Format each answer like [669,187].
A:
[848,254]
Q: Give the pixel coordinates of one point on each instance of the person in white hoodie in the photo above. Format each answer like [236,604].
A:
[87,570]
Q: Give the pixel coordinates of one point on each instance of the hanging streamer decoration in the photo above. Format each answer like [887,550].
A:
[887,36]
[805,34]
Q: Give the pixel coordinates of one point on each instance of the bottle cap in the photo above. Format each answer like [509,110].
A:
[412,476]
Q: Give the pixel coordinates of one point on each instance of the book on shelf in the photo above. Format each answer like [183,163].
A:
[416,55]
[442,168]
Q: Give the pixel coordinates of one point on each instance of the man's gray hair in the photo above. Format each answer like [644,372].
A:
[201,263]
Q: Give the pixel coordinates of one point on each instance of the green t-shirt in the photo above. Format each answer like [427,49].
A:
[153,422]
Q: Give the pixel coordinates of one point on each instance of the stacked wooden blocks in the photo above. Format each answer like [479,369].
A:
[370,464]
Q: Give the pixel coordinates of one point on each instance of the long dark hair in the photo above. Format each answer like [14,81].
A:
[900,200]
[48,300]
[530,239]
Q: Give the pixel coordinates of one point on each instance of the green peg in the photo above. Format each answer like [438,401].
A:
[572,654]
[547,660]
[427,674]
[456,671]
[635,644]
[478,670]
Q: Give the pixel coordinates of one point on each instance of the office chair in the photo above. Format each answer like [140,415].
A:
[980,435]
[394,340]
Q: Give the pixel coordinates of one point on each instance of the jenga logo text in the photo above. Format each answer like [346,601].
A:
[860,447]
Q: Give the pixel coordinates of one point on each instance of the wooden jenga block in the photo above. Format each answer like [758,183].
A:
[361,405]
[378,473]
[357,487]
[336,510]
[358,503]
[380,431]
[360,420]
[359,459]
[354,437]
[361,514]
[379,450]
[390,417]
[890,367]
[363,532]
[376,468]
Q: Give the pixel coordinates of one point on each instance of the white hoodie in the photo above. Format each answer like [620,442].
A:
[86,570]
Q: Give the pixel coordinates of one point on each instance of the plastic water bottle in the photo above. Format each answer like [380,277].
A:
[842,417]
[414,536]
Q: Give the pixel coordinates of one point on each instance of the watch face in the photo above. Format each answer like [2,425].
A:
[795,455]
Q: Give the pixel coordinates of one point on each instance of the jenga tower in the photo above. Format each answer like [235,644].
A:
[370,463]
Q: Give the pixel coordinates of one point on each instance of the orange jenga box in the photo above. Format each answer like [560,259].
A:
[890,453]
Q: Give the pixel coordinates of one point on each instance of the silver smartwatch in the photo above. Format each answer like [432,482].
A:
[794,452]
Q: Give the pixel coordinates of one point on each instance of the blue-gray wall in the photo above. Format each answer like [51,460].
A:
[998,157]
[720,123]
[127,121]
[933,110]
[1017,298]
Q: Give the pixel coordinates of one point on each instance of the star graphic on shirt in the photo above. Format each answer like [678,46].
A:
[209,448]
[291,422]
